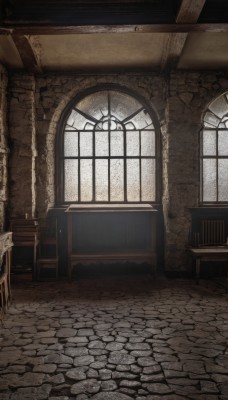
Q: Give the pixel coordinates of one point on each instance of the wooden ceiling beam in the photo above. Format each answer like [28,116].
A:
[27,53]
[89,29]
[188,13]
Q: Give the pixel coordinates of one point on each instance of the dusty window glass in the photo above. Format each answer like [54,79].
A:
[214,152]
[109,150]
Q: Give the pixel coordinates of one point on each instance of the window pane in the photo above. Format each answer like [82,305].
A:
[78,121]
[223,143]
[101,143]
[141,120]
[71,144]
[116,180]
[116,143]
[86,180]
[209,180]
[223,180]
[209,143]
[95,104]
[132,143]
[71,180]
[101,180]
[211,119]
[86,148]
[123,105]
[148,143]
[133,185]
[219,106]
[148,179]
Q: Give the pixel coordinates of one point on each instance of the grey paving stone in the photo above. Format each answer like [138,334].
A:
[83,360]
[56,358]
[96,344]
[40,393]
[158,388]
[111,396]
[98,364]
[85,332]
[92,373]
[77,374]
[141,353]
[208,387]
[55,379]
[130,383]
[76,351]
[66,332]
[137,346]
[108,385]
[114,346]
[117,332]
[86,386]
[146,361]
[120,358]
[105,374]
[46,368]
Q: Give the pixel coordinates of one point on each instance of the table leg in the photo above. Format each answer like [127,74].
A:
[197,270]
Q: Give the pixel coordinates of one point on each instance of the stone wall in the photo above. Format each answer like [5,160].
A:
[188,97]
[3,146]
[22,132]
[178,100]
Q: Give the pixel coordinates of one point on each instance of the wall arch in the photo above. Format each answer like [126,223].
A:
[51,108]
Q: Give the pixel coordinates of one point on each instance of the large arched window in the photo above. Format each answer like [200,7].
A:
[108,150]
[214,152]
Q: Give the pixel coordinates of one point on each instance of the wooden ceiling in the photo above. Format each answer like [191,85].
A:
[113,35]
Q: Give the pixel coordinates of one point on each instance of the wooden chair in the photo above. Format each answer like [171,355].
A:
[48,248]
[25,234]
[209,244]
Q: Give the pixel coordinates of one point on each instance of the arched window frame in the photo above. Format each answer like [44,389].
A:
[214,153]
[60,145]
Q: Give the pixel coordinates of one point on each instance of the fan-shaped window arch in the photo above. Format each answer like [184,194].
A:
[214,152]
[109,149]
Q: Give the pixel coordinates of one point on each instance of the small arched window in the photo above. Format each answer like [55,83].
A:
[214,152]
[108,150]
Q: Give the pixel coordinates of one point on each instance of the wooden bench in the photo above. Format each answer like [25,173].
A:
[209,253]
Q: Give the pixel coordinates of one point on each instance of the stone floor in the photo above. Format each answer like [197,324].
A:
[115,336]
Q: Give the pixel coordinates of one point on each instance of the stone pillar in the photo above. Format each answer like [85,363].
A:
[3,145]
[181,167]
[22,131]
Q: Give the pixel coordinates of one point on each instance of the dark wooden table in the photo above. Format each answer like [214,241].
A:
[111,233]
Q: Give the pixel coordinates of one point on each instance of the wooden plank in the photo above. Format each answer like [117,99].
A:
[188,13]
[27,53]
[172,50]
[90,29]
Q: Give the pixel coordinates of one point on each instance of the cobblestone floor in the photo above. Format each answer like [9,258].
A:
[115,337]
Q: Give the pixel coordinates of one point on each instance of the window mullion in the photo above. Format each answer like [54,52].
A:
[93,168]
[217,189]
[79,168]
[140,168]
[125,164]
[109,145]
